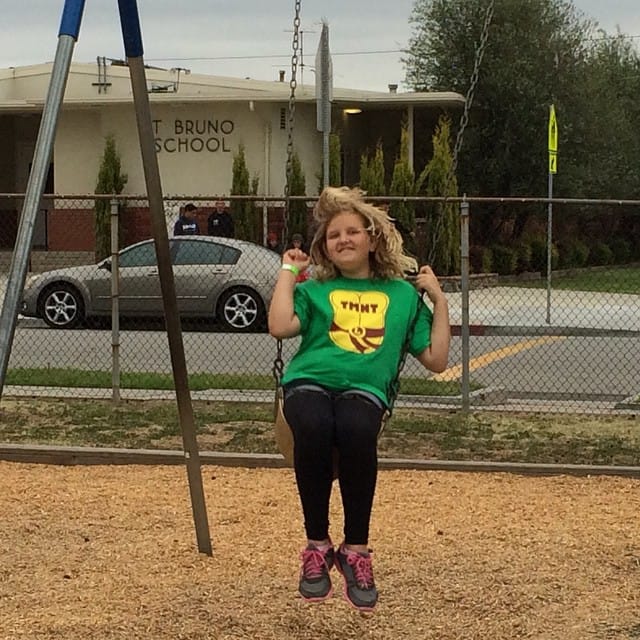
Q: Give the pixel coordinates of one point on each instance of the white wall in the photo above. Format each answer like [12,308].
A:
[195,144]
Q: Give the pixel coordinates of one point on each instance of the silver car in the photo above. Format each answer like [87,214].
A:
[230,281]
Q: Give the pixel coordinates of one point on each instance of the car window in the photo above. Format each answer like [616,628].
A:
[199,252]
[142,255]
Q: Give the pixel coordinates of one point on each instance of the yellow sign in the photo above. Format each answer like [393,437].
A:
[553,140]
[553,130]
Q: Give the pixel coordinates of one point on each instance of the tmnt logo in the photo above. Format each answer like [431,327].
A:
[358,320]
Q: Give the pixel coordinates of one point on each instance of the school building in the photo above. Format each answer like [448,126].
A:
[199,123]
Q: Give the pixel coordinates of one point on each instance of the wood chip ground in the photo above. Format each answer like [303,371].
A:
[110,553]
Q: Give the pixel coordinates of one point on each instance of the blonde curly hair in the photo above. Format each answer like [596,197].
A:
[387,261]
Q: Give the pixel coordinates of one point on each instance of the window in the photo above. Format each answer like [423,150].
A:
[143,255]
[203,252]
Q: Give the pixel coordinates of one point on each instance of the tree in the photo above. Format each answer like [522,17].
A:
[243,211]
[403,184]
[335,163]
[335,160]
[297,214]
[111,181]
[537,53]
[372,172]
[442,220]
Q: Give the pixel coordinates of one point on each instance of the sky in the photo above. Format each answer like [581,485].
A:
[228,38]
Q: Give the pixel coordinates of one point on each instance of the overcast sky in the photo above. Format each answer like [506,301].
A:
[365,35]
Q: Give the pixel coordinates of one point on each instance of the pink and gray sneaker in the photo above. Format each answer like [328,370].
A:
[315,583]
[357,571]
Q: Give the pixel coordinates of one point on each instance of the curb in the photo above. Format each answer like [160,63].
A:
[42,454]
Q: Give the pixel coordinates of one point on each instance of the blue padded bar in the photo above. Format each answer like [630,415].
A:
[71,18]
[131,33]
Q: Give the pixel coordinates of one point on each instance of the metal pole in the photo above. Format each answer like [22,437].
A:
[133,48]
[115,305]
[67,36]
[464,330]
[549,246]
[324,90]
[325,158]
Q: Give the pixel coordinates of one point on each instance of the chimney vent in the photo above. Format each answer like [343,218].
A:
[281,74]
[393,88]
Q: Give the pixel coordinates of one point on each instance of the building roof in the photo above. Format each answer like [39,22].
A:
[24,89]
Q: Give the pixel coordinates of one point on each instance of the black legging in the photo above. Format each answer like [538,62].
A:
[321,420]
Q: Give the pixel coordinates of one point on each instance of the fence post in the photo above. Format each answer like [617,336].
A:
[464,329]
[115,305]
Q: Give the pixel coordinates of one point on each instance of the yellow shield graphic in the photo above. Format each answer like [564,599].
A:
[358,320]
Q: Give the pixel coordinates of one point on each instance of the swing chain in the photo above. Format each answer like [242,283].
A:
[278,363]
[291,120]
[464,121]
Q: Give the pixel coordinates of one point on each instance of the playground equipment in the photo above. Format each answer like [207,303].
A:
[132,37]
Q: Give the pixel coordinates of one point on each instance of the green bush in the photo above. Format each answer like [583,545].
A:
[600,254]
[247,223]
[505,259]
[523,253]
[480,260]
[579,252]
[622,251]
[372,172]
[539,255]
[112,181]
[573,254]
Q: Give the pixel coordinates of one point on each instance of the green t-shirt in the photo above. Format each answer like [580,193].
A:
[353,331]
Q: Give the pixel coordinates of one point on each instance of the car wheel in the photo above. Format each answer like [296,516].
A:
[240,310]
[61,306]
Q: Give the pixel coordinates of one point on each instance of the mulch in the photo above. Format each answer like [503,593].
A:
[109,552]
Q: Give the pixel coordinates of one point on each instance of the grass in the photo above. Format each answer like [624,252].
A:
[247,428]
[611,280]
[81,378]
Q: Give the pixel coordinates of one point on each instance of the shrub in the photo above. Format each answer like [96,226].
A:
[442,218]
[372,172]
[247,225]
[579,253]
[112,181]
[505,259]
[523,253]
[600,254]
[539,255]
[621,249]
[573,254]
[480,259]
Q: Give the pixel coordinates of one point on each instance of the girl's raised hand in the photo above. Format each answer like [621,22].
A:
[297,258]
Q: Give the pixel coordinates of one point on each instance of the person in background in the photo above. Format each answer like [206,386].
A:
[297,242]
[186,224]
[273,243]
[355,316]
[220,222]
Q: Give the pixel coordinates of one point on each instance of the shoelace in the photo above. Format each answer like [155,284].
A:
[362,568]
[313,563]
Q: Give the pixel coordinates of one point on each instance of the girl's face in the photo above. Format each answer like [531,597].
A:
[349,244]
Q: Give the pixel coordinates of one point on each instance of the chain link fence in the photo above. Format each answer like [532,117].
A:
[524,338]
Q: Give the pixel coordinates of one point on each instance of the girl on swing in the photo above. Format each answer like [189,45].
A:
[355,317]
